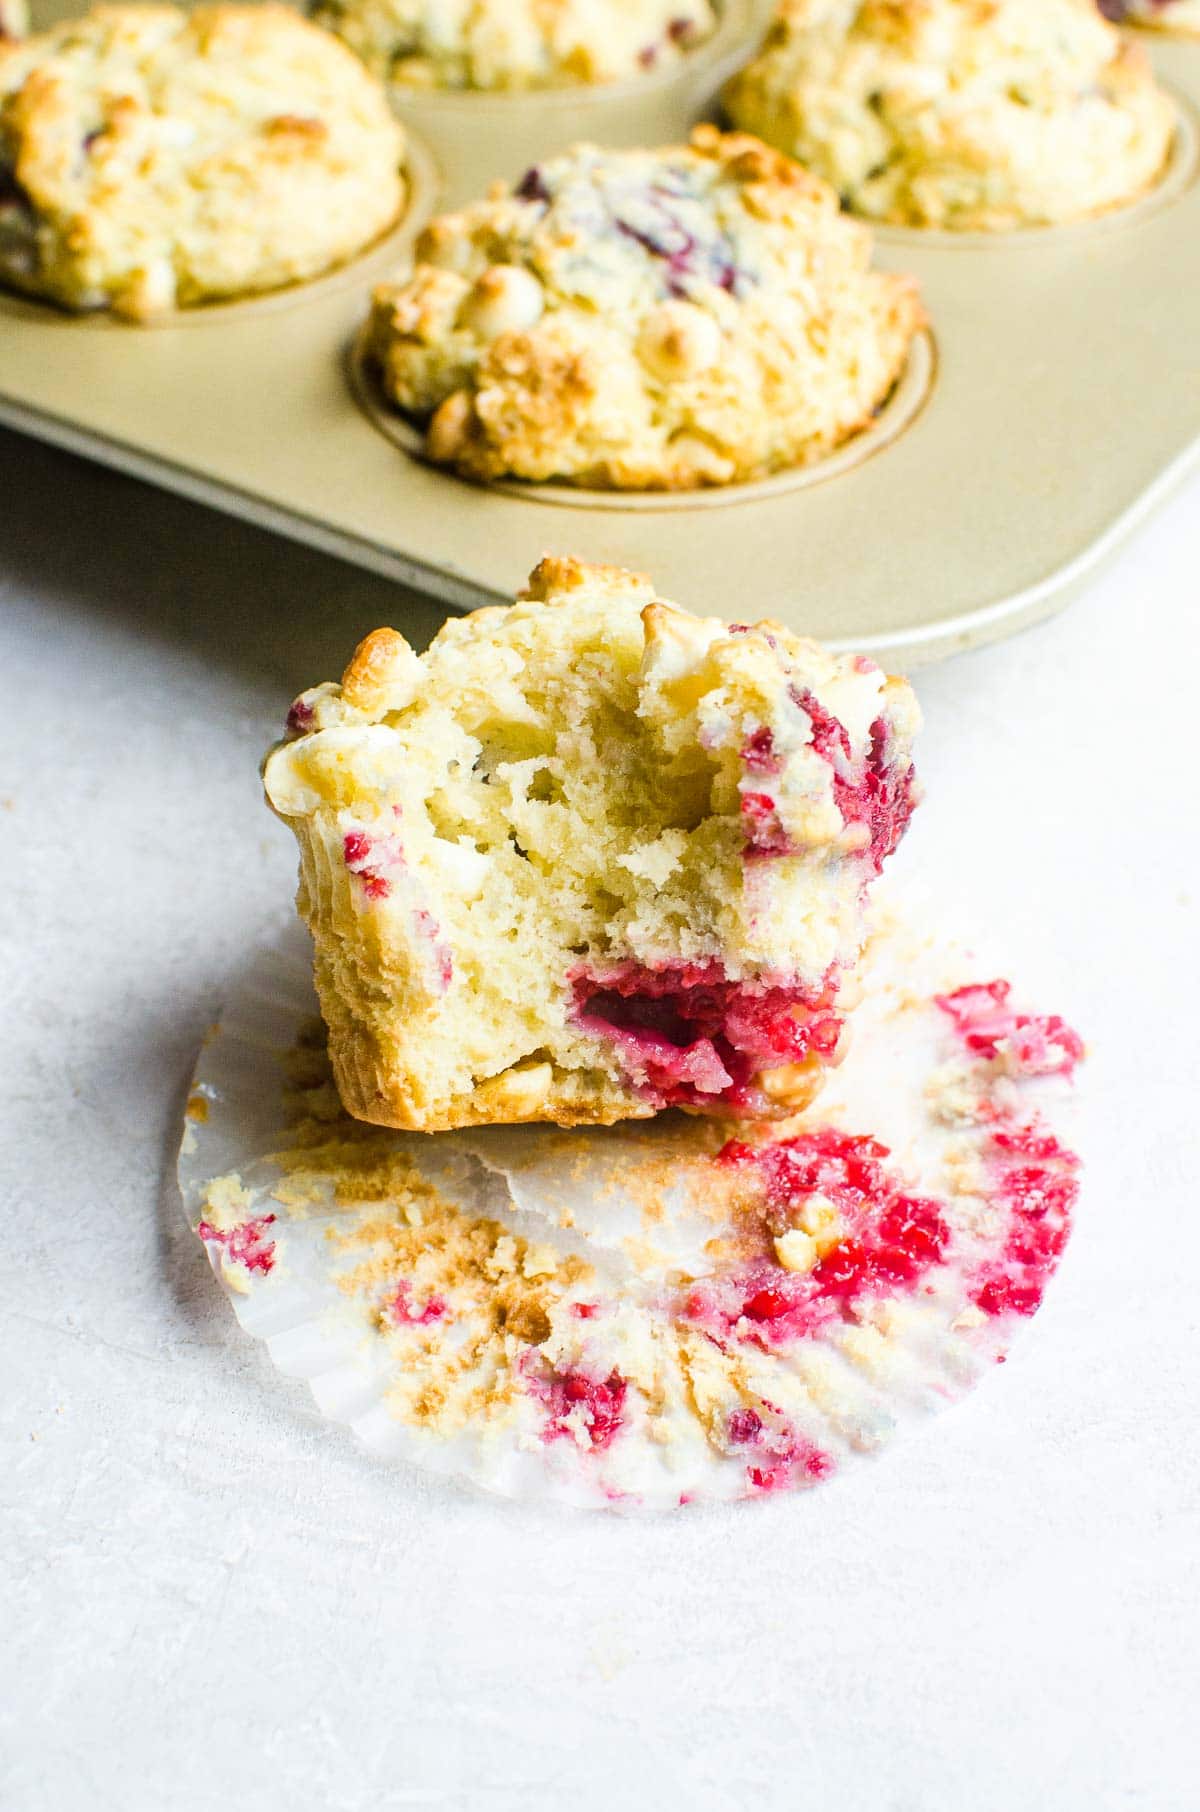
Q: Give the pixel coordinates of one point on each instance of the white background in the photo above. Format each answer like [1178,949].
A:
[216,1602]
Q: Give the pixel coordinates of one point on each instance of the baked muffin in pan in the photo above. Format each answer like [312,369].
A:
[644,320]
[590,857]
[981,115]
[14,19]
[152,159]
[517,44]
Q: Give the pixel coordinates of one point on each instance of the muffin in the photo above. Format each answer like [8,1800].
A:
[964,114]
[151,159]
[1167,15]
[644,320]
[514,44]
[14,19]
[590,857]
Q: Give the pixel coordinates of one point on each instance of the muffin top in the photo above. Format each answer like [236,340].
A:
[658,319]
[969,114]
[14,19]
[151,158]
[516,43]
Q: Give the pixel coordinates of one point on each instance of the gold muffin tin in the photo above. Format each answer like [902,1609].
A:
[1058,400]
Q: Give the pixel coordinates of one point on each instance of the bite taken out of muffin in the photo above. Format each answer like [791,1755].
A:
[152,159]
[517,44]
[590,857]
[982,115]
[666,319]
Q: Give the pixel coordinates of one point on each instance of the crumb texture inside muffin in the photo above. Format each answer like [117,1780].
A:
[590,857]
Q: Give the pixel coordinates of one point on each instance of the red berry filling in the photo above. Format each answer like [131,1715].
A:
[400,1310]
[1035,1183]
[745,1426]
[580,1405]
[765,835]
[878,794]
[874,793]
[782,1457]
[377,861]
[758,752]
[427,925]
[797,1462]
[374,860]
[246,1244]
[892,1238]
[688,1037]
[1036,1044]
[299,718]
[688,262]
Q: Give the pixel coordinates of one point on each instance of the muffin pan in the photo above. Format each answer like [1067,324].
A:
[1059,408]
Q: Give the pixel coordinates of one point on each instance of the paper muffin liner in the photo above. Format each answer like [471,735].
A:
[655,1314]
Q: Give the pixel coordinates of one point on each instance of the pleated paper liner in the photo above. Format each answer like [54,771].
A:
[657,1314]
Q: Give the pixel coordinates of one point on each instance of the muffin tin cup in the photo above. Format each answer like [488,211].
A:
[1165,27]
[475,133]
[900,409]
[1053,418]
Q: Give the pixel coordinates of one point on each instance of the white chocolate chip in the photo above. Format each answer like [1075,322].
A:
[796,1251]
[515,1093]
[329,767]
[505,299]
[383,675]
[676,642]
[821,1219]
[789,1083]
[678,340]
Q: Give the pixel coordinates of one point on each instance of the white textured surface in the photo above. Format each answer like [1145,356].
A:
[216,1600]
